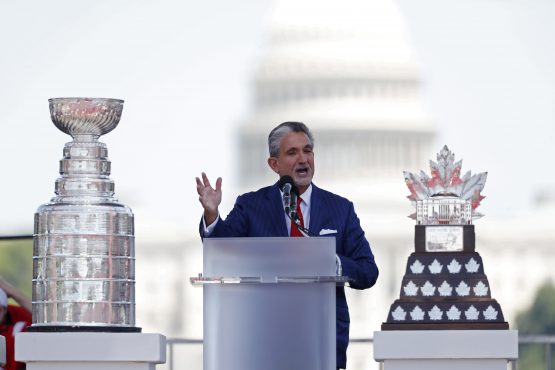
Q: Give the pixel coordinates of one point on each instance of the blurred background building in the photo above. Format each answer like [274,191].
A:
[349,73]
[383,84]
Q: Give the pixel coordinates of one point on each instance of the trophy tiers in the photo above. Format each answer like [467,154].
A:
[84,244]
[85,167]
[445,290]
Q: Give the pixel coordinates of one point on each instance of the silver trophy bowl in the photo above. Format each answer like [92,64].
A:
[85,116]
[84,244]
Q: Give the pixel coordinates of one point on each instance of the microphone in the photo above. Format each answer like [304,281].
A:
[288,180]
[290,194]
[293,212]
[287,185]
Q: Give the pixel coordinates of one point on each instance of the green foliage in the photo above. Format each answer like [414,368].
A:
[539,319]
[16,263]
[531,357]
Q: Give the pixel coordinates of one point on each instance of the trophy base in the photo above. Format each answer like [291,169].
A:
[448,326]
[82,328]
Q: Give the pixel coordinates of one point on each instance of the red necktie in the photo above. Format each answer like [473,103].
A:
[294,230]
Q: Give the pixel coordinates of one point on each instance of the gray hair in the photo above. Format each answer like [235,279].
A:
[277,134]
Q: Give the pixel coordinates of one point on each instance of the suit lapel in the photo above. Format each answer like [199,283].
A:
[315,210]
[276,212]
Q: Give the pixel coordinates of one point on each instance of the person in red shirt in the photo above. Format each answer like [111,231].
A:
[13,319]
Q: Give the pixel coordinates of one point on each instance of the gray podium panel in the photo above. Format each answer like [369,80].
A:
[265,323]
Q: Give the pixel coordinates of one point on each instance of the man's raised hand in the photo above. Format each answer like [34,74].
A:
[209,197]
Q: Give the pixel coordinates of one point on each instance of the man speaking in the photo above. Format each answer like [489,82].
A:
[317,212]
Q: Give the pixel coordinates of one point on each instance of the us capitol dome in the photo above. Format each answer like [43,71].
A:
[346,70]
[349,74]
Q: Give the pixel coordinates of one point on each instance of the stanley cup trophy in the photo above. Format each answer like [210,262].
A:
[83,247]
[445,286]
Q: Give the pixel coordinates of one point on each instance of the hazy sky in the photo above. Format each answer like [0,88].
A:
[184,68]
[490,82]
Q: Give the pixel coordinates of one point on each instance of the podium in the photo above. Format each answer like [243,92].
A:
[269,303]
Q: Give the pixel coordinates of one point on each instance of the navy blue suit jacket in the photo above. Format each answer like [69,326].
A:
[261,214]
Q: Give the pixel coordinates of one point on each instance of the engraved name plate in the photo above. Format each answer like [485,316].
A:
[444,239]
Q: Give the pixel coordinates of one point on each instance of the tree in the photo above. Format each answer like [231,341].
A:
[539,319]
[16,263]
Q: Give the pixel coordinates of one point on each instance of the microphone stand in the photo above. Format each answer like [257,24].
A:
[293,216]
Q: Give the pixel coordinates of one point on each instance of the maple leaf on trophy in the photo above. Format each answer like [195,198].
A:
[445,180]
